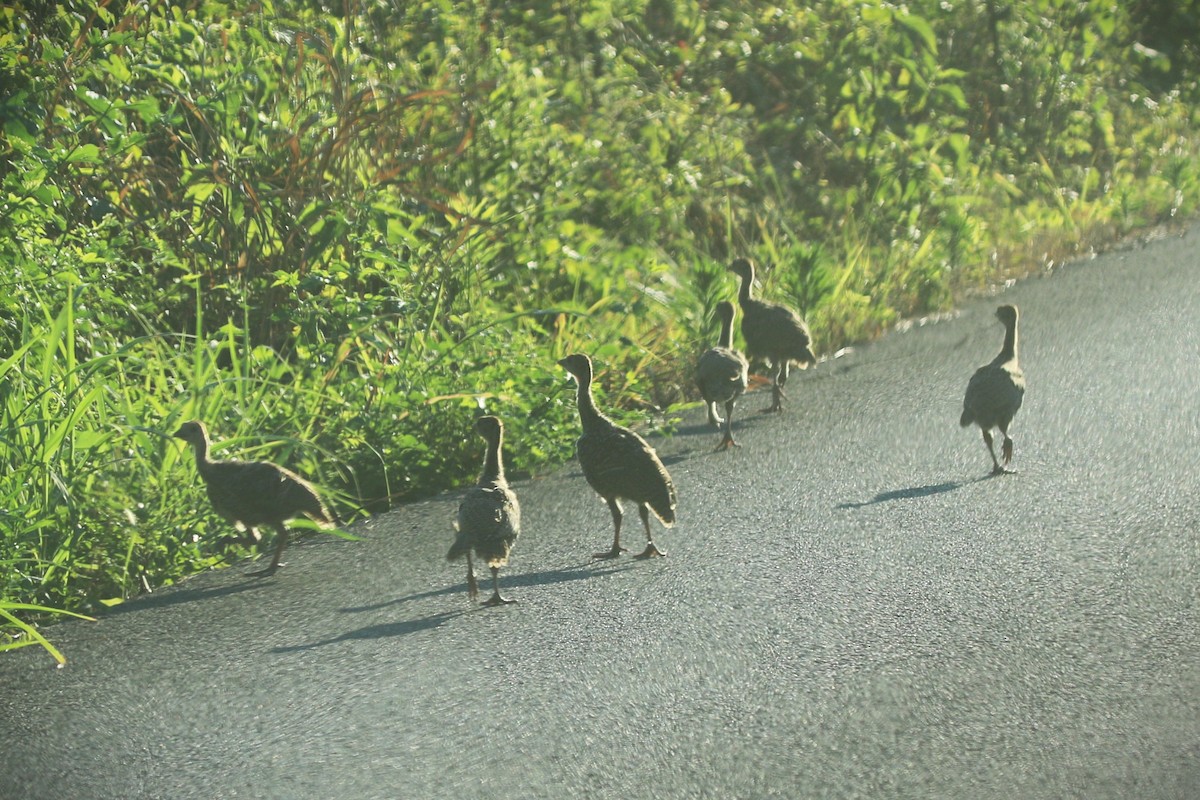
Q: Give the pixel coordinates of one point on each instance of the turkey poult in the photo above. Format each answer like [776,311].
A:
[722,376]
[772,332]
[489,518]
[995,392]
[618,463]
[254,493]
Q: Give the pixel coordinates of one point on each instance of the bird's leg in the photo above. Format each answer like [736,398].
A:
[1007,449]
[496,599]
[472,584]
[728,441]
[777,394]
[987,438]
[714,419]
[650,550]
[616,550]
[280,543]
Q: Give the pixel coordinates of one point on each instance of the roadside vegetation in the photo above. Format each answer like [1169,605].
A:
[338,231]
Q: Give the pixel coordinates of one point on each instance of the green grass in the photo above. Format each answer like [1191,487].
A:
[341,280]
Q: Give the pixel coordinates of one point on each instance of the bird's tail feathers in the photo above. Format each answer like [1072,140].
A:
[664,511]
[668,519]
[460,548]
[322,516]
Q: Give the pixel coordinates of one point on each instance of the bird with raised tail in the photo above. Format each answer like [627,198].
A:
[995,392]
[722,375]
[489,516]
[773,333]
[619,464]
[253,493]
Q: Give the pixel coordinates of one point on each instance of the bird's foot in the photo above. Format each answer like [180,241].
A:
[497,600]
[777,397]
[650,552]
[726,443]
[999,470]
[615,552]
[266,572]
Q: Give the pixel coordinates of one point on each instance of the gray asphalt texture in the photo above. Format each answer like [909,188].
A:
[850,608]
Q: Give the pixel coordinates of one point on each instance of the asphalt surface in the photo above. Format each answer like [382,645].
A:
[850,607]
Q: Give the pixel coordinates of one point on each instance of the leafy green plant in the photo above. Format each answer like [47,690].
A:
[339,237]
[28,634]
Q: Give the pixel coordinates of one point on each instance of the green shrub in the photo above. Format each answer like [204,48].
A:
[337,235]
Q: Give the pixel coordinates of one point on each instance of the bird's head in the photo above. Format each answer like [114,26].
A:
[742,268]
[1007,314]
[579,365]
[192,432]
[725,311]
[489,427]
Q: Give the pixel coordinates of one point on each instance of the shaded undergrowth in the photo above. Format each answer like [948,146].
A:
[337,237]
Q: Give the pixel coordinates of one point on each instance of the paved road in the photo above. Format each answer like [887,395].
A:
[850,607]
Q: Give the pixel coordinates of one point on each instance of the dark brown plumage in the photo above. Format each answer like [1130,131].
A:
[254,493]
[489,517]
[995,392]
[618,463]
[722,376]
[773,332]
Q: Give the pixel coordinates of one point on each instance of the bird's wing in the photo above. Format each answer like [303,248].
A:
[720,373]
[619,463]
[993,395]
[489,520]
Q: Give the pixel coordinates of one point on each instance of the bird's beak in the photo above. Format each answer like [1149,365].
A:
[570,376]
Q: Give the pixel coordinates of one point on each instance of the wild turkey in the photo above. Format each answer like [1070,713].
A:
[618,463]
[489,518]
[254,493]
[995,392]
[772,332]
[721,375]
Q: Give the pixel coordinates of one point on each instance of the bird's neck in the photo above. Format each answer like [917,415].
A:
[744,291]
[203,462]
[1009,351]
[493,462]
[589,415]
[726,339]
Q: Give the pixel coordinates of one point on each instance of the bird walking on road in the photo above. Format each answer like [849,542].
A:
[254,493]
[995,392]
[489,517]
[773,332]
[618,463]
[722,376]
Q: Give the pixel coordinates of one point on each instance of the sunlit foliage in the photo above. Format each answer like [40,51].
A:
[337,233]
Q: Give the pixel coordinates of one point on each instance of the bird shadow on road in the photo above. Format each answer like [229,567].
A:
[913,492]
[182,595]
[576,572]
[745,418]
[384,630]
[675,458]
[694,430]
